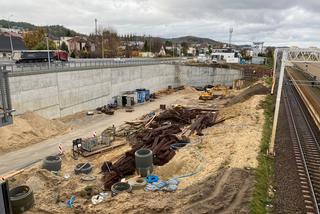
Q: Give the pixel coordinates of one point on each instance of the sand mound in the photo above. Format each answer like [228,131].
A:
[28,129]
[190,89]
[257,89]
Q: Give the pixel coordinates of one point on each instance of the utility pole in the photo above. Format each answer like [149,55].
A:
[172,48]
[10,36]
[95,24]
[102,50]
[47,41]
[230,36]
[150,43]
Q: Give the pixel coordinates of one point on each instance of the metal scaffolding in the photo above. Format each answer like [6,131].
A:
[5,101]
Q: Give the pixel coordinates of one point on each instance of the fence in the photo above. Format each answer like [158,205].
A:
[86,64]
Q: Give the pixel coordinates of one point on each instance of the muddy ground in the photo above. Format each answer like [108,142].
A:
[224,159]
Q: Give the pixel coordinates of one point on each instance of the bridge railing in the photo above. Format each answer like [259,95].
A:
[86,64]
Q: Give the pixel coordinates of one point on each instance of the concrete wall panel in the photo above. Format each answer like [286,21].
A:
[59,94]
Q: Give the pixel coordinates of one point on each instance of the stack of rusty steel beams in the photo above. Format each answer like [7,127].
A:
[158,134]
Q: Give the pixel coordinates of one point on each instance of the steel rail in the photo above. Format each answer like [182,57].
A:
[306,149]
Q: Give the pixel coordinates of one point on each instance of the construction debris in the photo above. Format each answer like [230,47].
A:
[215,149]
[202,122]
[163,132]
[93,145]
[106,109]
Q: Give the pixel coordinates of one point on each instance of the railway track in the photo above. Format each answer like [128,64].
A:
[306,149]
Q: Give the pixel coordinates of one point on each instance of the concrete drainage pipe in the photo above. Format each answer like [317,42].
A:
[121,187]
[144,162]
[137,183]
[84,168]
[52,163]
[21,199]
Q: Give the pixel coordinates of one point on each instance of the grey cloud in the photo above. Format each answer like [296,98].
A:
[288,22]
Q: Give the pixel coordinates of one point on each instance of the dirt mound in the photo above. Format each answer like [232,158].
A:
[28,129]
[229,192]
[249,92]
[190,89]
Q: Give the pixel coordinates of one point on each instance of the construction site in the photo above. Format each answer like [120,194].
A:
[186,142]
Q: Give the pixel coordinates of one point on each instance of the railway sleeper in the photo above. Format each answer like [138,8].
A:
[313,159]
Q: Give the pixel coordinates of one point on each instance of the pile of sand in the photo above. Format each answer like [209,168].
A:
[256,89]
[28,129]
[190,89]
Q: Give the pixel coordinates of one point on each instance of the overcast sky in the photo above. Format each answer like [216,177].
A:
[276,22]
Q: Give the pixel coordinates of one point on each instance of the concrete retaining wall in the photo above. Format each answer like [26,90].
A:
[59,94]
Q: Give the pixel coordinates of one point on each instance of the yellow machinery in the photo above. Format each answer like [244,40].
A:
[214,92]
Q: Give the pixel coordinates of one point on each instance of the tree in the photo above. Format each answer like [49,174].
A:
[156,45]
[210,49]
[36,40]
[73,55]
[64,47]
[245,55]
[185,47]
[68,33]
[43,46]
[111,42]
[146,46]
[168,43]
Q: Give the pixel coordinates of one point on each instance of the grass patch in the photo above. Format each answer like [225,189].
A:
[264,171]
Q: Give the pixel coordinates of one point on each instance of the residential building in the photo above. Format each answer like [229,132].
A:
[192,51]
[5,46]
[146,54]
[162,51]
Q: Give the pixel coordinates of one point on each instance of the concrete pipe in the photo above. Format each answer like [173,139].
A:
[144,162]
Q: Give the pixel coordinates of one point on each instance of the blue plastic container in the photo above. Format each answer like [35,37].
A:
[141,95]
[147,95]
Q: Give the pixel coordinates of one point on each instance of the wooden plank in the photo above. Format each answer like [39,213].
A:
[11,174]
[105,149]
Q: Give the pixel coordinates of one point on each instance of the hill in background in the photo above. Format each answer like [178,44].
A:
[57,31]
[54,30]
[194,39]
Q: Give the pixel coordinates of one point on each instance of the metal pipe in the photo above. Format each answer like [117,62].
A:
[7,88]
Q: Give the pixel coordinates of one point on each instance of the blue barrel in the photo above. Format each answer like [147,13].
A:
[141,95]
[147,95]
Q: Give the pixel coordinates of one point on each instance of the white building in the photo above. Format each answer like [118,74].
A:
[228,57]
[192,51]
